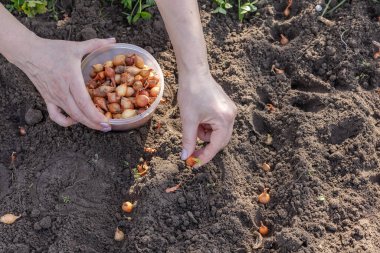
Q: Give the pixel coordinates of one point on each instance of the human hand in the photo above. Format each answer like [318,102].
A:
[54,67]
[207,113]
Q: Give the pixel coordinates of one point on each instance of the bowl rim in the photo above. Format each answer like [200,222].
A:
[138,50]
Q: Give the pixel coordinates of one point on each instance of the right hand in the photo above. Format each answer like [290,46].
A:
[54,67]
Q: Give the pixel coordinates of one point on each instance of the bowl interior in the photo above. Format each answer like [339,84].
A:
[107,53]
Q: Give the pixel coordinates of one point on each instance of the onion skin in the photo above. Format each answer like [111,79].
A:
[121,90]
[265,167]
[119,235]
[110,73]
[263,230]
[108,64]
[114,108]
[143,92]
[142,100]
[128,113]
[139,62]
[113,97]
[138,78]
[127,207]
[264,197]
[100,76]
[130,92]
[145,73]
[154,91]
[118,78]
[103,90]
[108,115]
[119,60]
[126,104]
[130,60]
[120,69]
[138,85]
[97,68]
[132,70]
[9,218]
[101,102]
[284,40]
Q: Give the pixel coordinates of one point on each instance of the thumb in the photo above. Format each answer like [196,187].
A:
[189,138]
[88,46]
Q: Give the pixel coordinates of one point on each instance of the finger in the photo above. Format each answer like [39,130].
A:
[219,139]
[189,138]
[56,115]
[204,133]
[88,46]
[83,100]
[72,109]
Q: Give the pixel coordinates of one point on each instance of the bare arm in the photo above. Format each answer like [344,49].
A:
[206,111]
[54,68]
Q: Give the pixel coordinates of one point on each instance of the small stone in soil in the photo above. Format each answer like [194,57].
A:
[36,226]
[45,222]
[35,213]
[88,33]
[33,117]
[149,49]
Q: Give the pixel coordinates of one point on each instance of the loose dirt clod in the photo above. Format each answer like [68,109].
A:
[326,21]
[172,189]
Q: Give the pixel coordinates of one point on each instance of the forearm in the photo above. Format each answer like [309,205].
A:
[16,40]
[184,27]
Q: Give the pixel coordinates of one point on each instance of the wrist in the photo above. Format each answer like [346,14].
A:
[22,52]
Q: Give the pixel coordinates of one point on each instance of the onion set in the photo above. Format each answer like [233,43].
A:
[123,87]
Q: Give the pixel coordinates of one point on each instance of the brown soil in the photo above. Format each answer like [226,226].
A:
[68,184]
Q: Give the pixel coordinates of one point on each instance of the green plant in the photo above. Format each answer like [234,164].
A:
[243,8]
[136,10]
[66,199]
[329,11]
[29,7]
[246,8]
[223,5]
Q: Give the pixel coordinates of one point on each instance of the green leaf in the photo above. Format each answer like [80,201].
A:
[136,18]
[127,4]
[246,8]
[129,19]
[150,2]
[146,15]
[228,6]
[220,10]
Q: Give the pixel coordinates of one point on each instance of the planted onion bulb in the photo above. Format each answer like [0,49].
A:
[264,197]
[283,40]
[263,230]
[9,218]
[127,207]
[119,235]
[265,167]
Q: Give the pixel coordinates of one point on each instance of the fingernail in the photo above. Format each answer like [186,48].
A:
[184,154]
[105,125]
[111,39]
[106,129]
